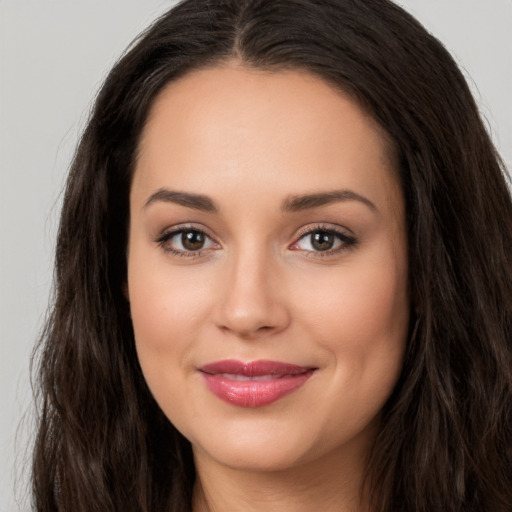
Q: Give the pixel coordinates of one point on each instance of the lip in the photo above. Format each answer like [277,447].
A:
[255,383]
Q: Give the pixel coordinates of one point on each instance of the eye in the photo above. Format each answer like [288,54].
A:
[323,240]
[186,241]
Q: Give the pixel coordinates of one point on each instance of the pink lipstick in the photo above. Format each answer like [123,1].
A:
[253,384]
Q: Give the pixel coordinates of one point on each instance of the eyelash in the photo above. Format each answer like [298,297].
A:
[347,241]
[169,235]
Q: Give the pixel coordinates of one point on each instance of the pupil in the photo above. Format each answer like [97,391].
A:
[322,241]
[192,240]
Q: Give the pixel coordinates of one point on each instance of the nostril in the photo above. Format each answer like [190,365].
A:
[250,308]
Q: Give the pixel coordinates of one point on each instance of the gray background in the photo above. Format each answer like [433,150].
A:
[53,57]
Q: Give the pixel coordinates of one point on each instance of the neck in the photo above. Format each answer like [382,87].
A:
[328,485]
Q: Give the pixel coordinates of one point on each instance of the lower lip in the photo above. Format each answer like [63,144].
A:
[254,393]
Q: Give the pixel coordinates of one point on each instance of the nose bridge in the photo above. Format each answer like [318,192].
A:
[251,303]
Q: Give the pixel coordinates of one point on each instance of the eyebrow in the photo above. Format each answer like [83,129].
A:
[195,201]
[295,203]
[310,201]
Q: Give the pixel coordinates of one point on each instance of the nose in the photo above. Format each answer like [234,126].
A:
[253,301]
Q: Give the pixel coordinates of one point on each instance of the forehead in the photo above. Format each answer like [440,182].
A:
[244,127]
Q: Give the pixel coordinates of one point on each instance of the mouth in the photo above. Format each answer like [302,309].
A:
[253,384]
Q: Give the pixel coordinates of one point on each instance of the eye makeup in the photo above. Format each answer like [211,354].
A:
[190,241]
[187,241]
[323,241]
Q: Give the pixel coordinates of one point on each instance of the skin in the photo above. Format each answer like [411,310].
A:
[249,140]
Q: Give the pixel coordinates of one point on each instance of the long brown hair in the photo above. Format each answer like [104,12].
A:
[446,440]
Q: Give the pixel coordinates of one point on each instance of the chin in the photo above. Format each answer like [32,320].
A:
[255,455]
[273,446]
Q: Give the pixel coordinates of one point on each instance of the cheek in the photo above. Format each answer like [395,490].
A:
[360,318]
[168,308]
[167,313]
[361,322]
[367,303]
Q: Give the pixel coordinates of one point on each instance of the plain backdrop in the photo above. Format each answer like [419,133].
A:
[54,54]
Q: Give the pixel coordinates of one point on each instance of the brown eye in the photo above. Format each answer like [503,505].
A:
[325,240]
[192,240]
[186,242]
[322,240]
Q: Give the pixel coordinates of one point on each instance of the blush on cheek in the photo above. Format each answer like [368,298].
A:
[360,310]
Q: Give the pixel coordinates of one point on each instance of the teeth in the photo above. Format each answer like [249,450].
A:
[233,376]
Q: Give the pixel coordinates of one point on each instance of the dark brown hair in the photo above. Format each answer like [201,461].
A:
[446,440]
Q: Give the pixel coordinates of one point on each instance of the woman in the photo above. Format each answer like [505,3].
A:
[283,277]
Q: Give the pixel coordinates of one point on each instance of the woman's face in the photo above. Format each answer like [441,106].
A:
[267,267]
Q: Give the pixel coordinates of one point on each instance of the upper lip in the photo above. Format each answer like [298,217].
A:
[253,368]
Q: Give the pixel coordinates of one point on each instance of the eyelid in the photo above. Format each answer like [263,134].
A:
[346,236]
[170,232]
[178,228]
[324,226]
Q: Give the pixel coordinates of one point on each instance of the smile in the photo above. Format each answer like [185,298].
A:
[253,384]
